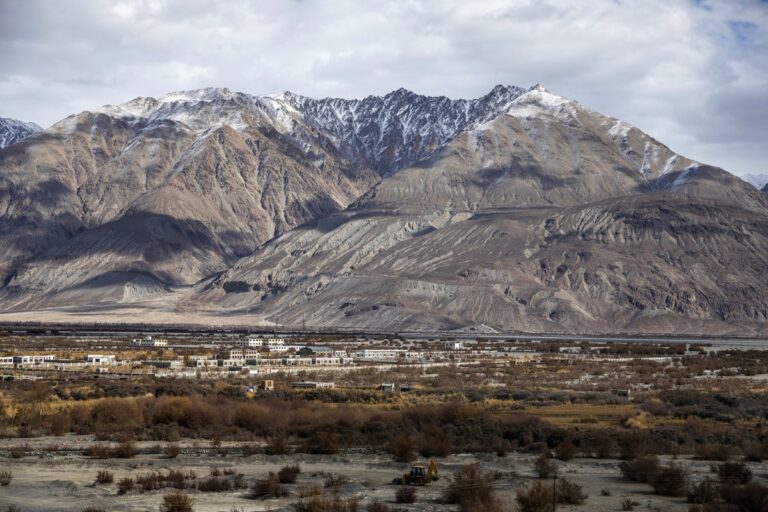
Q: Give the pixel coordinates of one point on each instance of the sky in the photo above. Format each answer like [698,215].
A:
[692,74]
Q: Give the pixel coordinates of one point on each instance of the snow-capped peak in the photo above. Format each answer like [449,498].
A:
[13,130]
[537,101]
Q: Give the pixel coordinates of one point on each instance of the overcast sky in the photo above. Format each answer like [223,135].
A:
[693,74]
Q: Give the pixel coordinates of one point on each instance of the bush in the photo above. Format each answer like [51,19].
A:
[753,498]
[714,452]
[214,484]
[335,482]
[706,491]
[125,450]
[736,473]
[98,451]
[324,443]
[18,452]
[93,509]
[288,474]
[628,505]
[104,477]
[405,494]
[377,506]
[277,446]
[267,487]
[643,469]
[545,467]
[565,450]
[670,480]
[5,478]
[172,451]
[471,488]
[124,485]
[535,498]
[402,449]
[176,502]
[569,493]
[323,503]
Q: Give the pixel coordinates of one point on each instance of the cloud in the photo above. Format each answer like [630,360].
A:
[694,74]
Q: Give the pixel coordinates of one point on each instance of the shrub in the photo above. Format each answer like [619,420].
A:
[670,480]
[5,478]
[753,498]
[535,498]
[335,482]
[124,485]
[377,506]
[214,484]
[714,452]
[324,443]
[736,473]
[627,505]
[643,469]
[288,474]
[277,446]
[18,452]
[104,477]
[402,449]
[405,494]
[569,493]
[471,488]
[60,424]
[565,450]
[706,491]
[545,467]
[267,487]
[98,451]
[172,451]
[323,503]
[125,450]
[93,509]
[176,502]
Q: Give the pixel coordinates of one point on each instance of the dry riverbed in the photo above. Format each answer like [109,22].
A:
[64,480]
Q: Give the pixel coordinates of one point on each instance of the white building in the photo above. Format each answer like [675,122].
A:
[6,360]
[32,359]
[454,345]
[149,341]
[379,354]
[99,359]
[263,340]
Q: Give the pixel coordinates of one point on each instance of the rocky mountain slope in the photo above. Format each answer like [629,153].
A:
[13,130]
[520,210]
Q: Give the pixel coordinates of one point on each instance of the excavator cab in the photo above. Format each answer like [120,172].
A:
[419,475]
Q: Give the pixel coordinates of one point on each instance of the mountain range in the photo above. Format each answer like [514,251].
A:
[520,210]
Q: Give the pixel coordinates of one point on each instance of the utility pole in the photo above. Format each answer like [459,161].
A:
[554,491]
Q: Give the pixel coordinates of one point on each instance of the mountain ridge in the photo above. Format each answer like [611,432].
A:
[13,130]
[517,210]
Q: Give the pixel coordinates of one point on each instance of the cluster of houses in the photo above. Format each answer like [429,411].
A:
[250,354]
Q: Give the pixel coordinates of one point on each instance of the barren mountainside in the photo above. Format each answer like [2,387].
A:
[517,211]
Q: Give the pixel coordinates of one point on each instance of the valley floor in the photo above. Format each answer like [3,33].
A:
[62,481]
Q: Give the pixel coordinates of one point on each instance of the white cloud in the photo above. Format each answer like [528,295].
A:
[692,74]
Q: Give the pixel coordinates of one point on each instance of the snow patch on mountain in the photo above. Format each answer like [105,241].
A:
[13,130]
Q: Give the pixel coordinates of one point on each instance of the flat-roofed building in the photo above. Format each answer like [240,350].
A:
[100,359]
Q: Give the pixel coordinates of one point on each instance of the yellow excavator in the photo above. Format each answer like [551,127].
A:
[419,475]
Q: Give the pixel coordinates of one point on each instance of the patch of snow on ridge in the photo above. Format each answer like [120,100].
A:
[538,100]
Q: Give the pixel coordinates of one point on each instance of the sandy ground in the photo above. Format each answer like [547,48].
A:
[65,481]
